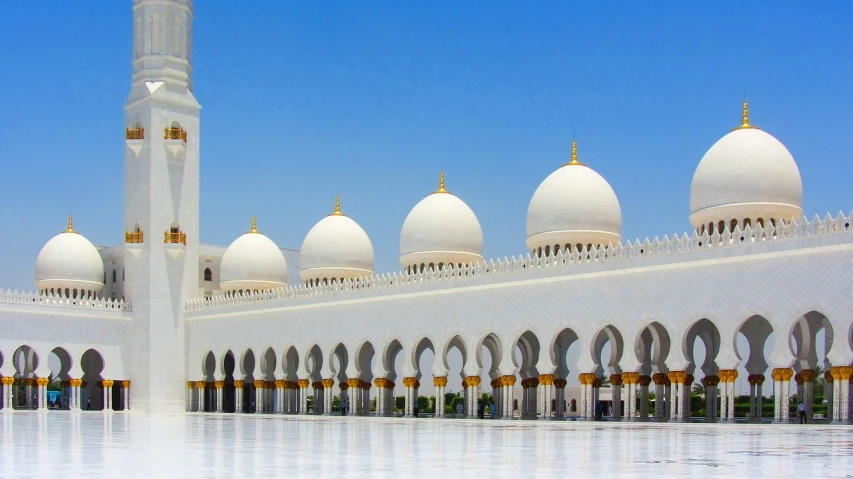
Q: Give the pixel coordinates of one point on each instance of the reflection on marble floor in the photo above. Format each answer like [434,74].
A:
[197,445]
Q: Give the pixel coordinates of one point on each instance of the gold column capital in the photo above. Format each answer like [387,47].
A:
[200,384]
[440,381]
[546,379]
[616,379]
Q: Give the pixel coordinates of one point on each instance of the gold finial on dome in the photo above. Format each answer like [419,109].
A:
[441,184]
[337,211]
[70,224]
[574,160]
[744,121]
[254,225]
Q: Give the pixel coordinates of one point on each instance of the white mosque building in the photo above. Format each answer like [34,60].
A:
[164,323]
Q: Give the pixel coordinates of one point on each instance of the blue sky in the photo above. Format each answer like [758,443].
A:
[371,99]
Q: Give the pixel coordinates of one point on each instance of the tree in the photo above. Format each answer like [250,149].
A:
[605,381]
[698,389]
[400,403]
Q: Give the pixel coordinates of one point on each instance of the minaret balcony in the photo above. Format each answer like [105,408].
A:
[134,133]
[176,140]
[134,138]
[175,237]
[133,237]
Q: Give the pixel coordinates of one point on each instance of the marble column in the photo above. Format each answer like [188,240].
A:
[507,383]
[74,400]
[218,390]
[259,395]
[781,381]
[630,380]
[7,383]
[616,397]
[661,403]
[798,380]
[828,395]
[643,385]
[677,411]
[546,384]
[473,386]
[380,396]
[354,396]
[727,410]
[302,407]
[440,383]
[238,396]
[411,385]
[125,395]
[587,408]
[808,376]
[560,393]
[754,406]
[328,384]
[108,394]
[280,401]
[841,394]
[711,383]
[293,397]
[596,399]
[200,385]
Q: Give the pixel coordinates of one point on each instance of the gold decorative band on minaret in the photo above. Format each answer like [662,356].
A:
[178,237]
[137,133]
[176,133]
[133,237]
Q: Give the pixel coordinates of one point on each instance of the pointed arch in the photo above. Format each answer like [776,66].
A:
[364,361]
[651,347]
[708,332]
[528,344]
[560,345]
[608,334]
[422,345]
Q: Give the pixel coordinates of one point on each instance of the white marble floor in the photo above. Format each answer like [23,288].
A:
[120,445]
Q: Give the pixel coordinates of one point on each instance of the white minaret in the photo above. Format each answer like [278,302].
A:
[161,201]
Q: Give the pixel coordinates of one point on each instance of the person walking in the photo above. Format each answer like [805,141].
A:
[801,409]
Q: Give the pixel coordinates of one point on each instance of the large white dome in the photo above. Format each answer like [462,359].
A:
[336,248]
[440,229]
[747,174]
[70,264]
[251,263]
[573,206]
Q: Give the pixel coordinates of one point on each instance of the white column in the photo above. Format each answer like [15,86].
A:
[201,386]
[546,383]
[190,387]
[125,395]
[781,382]
[238,396]
[616,397]
[220,395]
[684,396]
[759,397]
[841,394]
[108,395]
[440,382]
[675,389]
[28,389]
[75,394]
[828,395]
[303,396]
[259,396]
[630,380]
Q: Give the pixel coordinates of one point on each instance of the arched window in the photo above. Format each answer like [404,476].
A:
[441,266]
[432,267]
[747,222]
[122,274]
[114,276]
[760,222]
[720,226]
[548,250]
[208,275]
[732,225]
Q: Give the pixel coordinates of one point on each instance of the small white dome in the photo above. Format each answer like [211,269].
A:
[336,247]
[441,229]
[70,262]
[574,205]
[252,262]
[747,174]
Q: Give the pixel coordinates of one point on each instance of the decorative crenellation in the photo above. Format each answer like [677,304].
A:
[525,264]
[52,300]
